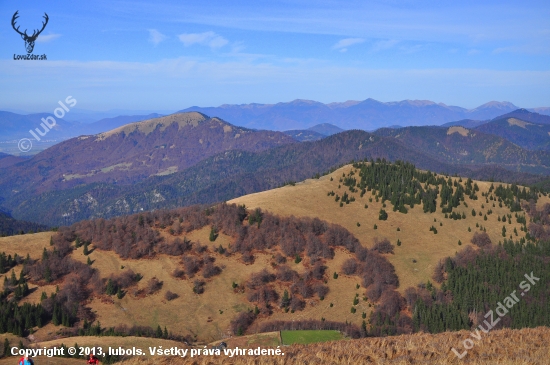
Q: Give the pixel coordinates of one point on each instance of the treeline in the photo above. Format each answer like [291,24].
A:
[10,226]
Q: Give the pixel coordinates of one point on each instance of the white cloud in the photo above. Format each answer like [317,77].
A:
[472,52]
[155,36]
[47,38]
[383,45]
[210,39]
[343,44]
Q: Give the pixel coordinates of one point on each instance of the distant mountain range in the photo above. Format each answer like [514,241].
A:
[295,115]
[369,114]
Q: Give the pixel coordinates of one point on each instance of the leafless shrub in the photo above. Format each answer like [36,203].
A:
[260,279]
[170,296]
[198,286]
[296,304]
[210,270]
[191,265]
[286,274]
[280,259]
[383,246]
[481,239]
[176,248]
[349,267]
[263,295]
[153,285]
[248,258]
[439,272]
[240,324]
[318,271]
[200,248]
[178,273]
[321,290]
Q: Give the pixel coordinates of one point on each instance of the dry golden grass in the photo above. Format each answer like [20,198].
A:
[31,244]
[309,198]
[199,315]
[506,347]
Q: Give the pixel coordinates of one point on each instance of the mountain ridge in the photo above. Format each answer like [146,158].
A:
[227,175]
[368,114]
[136,151]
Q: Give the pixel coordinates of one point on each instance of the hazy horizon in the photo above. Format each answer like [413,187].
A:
[169,56]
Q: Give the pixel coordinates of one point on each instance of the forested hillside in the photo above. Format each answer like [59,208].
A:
[231,174]
[10,226]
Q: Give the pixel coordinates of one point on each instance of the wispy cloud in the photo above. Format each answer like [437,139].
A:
[413,48]
[196,81]
[526,48]
[343,44]
[383,45]
[210,39]
[47,38]
[473,51]
[155,36]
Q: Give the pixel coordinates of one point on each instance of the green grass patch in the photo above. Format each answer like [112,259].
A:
[310,336]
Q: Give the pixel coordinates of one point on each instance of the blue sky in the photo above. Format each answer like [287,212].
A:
[169,55]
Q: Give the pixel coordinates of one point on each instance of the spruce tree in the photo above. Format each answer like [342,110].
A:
[110,288]
[213,234]
[7,348]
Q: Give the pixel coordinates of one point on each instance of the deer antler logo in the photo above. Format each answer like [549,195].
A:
[29,40]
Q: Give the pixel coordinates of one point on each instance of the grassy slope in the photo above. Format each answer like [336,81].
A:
[309,198]
[200,314]
[190,313]
[503,347]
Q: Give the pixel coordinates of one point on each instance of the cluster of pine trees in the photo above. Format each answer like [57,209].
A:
[477,281]
[7,262]
[404,186]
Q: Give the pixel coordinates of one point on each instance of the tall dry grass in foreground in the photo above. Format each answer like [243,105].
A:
[525,346]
